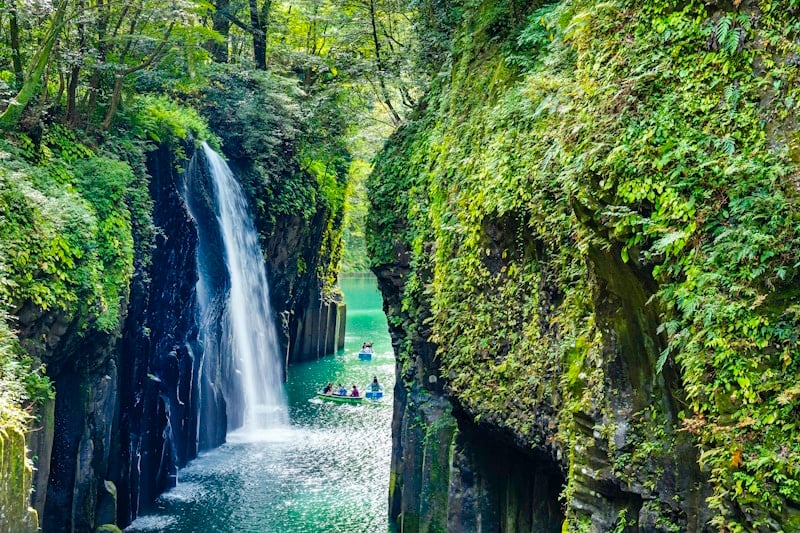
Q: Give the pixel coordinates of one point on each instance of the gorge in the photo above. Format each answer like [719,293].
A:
[582,217]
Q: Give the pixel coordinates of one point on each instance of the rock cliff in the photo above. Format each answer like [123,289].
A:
[583,241]
[103,294]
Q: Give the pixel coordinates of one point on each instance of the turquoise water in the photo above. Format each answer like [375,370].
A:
[328,470]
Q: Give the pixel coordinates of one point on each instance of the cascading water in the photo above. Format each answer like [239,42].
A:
[240,344]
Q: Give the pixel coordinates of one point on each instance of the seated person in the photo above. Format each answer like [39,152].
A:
[342,391]
[354,392]
[328,388]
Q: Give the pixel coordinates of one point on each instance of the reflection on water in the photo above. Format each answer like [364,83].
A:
[327,471]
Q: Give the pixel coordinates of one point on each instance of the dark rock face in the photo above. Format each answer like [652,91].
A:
[312,321]
[134,405]
[632,345]
[449,475]
[158,422]
[446,473]
[84,418]
[496,487]
[180,393]
[82,363]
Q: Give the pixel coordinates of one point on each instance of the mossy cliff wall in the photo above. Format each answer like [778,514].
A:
[586,240]
[67,261]
[98,284]
[16,477]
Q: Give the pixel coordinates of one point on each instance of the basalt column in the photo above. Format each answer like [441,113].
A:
[160,351]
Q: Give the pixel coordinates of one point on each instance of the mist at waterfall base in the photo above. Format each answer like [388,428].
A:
[309,466]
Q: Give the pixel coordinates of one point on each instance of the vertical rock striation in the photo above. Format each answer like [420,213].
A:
[108,303]
[83,366]
[159,411]
[587,268]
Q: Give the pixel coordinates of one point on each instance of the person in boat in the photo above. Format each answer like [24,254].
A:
[375,386]
[354,392]
[342,391]
[328,388]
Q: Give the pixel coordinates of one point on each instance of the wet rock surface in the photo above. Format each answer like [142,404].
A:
[158,404]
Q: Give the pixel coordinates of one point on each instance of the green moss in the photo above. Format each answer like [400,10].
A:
[161,119]
[409,522]
[16,473]
[437,449]
[67,239]
[611,138]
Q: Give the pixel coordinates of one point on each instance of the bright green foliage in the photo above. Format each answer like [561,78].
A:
[66,245]
[81,58]
[354,255]
[163,120]
[660,131]
[687,154]
[66,235]
[21,381]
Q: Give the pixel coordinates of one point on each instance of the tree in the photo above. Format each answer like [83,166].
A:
[13,31]
[92,48]
[33,75]
[257,27]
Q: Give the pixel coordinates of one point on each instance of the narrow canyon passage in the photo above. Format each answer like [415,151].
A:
[328,469]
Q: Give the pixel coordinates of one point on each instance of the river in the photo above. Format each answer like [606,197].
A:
[328,470]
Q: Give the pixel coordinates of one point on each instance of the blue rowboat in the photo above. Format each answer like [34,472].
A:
[373,395]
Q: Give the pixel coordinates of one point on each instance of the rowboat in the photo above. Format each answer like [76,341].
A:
[339,398]
[364,354]
[373,394]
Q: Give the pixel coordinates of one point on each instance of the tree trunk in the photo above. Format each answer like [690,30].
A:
[16,57]
[119,77]
[61,84]
[222,25]
[45,88]
[259,37]
[33,77]
[94,83]
[379,64]
[72,91]
[116,96]
[75,71]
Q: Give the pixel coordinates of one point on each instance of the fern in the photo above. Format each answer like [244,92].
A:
[722,30]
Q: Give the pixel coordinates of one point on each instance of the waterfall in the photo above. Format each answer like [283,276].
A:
[241,360]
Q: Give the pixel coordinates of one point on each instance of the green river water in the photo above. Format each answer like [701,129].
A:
[328,471]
